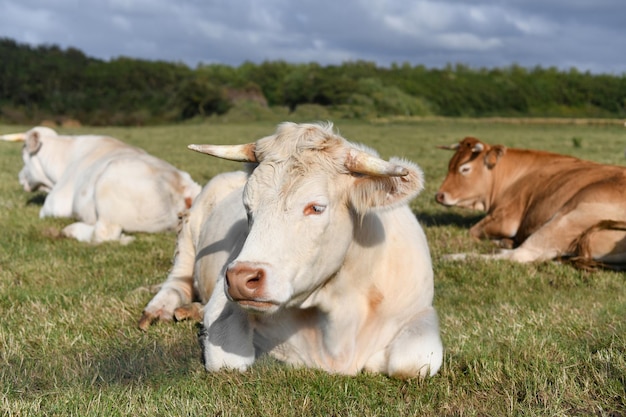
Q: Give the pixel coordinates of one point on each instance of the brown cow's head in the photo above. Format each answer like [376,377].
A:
[470,174]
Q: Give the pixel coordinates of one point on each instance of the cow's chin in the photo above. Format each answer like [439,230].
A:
[259,307]
[470,204]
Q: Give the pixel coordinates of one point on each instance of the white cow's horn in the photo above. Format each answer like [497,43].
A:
[14,137]
[364,163]
[239,153]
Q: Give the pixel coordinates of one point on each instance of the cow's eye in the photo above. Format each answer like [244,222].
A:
[314,208]
[465,169]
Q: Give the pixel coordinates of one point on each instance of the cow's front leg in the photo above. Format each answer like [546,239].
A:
[58,202]
[495,226]
[417,351]
[227,337]
[175,293]
[178,290]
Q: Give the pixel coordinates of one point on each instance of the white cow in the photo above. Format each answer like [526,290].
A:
[315,258]
[109,186]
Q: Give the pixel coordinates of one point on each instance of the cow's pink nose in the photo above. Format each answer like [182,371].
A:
[245,282]
[440,197]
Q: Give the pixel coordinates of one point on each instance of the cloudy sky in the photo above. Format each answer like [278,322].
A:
[586,34]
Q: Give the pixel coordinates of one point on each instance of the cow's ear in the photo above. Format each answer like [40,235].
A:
[493,155]
[369,192]
[32,143]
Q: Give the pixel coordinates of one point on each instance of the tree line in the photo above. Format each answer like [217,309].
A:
[48,82]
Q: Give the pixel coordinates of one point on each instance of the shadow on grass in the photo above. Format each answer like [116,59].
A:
[138,358]
[36,200]
[448,218]
[149,358]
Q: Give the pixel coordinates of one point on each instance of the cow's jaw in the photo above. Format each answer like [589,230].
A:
[471,204]
[474,203]
[32,177]
[263,307]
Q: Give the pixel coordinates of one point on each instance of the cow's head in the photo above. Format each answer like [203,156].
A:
[33,176]
[470,174]
[308,192]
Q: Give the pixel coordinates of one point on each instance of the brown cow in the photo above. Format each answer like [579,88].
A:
[542,204]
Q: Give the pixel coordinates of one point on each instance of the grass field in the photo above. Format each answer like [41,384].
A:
[524,340]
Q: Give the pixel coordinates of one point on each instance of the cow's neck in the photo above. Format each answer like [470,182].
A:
[357,311]
[54,161]
[519,165]
[355,307]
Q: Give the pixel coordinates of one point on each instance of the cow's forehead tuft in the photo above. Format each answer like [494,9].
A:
[465,152]
[469,142]
[291,142]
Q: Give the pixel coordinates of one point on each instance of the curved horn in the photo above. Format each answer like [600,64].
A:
[449,147]
[364,163]
[14,137]
[239,153]
[478,148]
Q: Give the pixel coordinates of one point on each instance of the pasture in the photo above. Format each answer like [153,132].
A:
[532,340]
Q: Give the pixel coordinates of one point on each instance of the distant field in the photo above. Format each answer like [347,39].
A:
[533,340]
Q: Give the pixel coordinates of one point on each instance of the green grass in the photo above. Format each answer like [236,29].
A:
[526,340]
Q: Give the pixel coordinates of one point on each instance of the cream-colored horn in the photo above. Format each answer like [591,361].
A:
[239,153]
[14,137]
[449,147]
[364,163]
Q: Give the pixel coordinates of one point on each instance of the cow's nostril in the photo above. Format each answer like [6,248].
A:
[245,282]
[255,282]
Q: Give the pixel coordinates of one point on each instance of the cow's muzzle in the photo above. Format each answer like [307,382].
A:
[441,198]
[245,284]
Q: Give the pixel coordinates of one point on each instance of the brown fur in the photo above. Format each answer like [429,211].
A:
[582,248]
[541,201]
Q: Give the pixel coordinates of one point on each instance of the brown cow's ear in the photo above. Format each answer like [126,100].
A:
[493,155]
[33,143]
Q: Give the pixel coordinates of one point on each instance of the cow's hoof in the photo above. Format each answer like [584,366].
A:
[146,320]
[191,311]
[455,257]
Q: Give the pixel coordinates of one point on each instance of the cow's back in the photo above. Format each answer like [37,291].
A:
[89,150]
[123,185]
[555,183]
[74,163]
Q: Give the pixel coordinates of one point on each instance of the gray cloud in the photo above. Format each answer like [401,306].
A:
[587,35]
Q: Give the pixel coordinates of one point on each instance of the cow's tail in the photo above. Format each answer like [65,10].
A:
[581,250]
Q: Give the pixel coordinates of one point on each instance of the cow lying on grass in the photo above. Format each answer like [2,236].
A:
[109,186]
[542,204]
[313,257]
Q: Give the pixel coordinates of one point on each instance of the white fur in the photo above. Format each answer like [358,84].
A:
[351,285]
[107,185]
